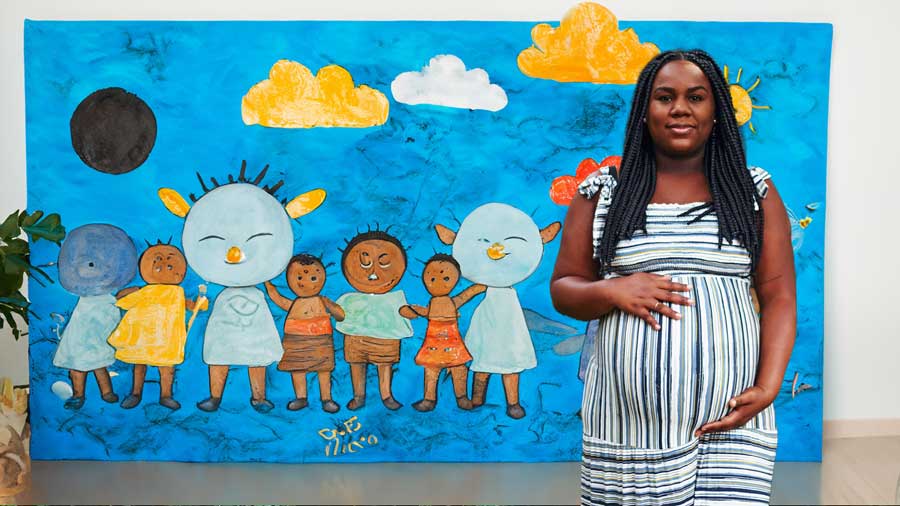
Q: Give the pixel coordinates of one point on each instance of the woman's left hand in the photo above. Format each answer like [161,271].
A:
[743,408]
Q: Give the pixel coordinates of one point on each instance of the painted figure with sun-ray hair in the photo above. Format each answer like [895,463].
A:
[238,235]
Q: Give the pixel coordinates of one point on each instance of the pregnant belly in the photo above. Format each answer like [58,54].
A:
[656,387]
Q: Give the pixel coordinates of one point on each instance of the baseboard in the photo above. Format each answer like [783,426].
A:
[835,429]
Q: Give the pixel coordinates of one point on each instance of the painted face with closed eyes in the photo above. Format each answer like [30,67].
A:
[237,235]
[374,266]
[498,245]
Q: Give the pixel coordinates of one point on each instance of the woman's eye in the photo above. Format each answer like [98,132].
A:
[664,98]
[696,98]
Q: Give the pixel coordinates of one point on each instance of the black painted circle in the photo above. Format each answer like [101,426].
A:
[113,131]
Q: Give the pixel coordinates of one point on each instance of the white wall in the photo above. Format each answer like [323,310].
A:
[862,344]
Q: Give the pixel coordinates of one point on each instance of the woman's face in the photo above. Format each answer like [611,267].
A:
[681,110]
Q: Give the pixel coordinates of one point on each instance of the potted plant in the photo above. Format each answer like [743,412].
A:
[15,263]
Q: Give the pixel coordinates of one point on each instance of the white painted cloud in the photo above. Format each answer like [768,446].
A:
[445,81]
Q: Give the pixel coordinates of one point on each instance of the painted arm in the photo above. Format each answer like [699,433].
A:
[413,311]
[279,300]
[126,291]
[334,309]
[467,294]
[190,304]
[776,289]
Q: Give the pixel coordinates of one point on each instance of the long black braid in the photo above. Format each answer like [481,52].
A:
[734,194]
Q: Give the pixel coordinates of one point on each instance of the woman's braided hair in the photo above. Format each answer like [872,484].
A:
[733,191]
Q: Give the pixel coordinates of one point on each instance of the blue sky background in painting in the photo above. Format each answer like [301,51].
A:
[426,165]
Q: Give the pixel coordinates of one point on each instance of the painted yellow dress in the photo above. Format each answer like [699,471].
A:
[152,332]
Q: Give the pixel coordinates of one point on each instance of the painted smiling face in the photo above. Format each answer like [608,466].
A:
[305,278]
[163,264]
[237,235]
[374,262]
[498,245]
[96,259]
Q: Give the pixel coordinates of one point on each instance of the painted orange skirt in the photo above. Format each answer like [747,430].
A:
[443,346]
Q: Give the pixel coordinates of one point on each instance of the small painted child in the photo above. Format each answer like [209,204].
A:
[95,260]
[308,335]
[443,347]
[152,332]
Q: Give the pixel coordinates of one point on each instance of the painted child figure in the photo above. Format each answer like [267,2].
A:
[152,332]
[373,263]
[94,261]
[308,337]
[443,347]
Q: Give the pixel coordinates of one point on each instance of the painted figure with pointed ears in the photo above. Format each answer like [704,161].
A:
[239,235]
[498,245]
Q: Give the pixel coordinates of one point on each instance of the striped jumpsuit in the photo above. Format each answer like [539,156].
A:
[647,391]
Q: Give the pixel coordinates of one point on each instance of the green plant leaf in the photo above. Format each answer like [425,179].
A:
[49,228]
[27,220]
[9,229]
[15,247]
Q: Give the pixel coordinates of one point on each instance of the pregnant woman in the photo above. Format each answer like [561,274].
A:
[678,395]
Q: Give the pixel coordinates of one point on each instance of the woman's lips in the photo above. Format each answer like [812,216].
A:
[680,129]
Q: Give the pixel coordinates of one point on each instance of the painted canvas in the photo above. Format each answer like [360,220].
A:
[331,241]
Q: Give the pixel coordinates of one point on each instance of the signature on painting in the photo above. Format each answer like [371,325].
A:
[346,438]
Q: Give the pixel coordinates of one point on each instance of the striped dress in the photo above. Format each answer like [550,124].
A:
[647,391]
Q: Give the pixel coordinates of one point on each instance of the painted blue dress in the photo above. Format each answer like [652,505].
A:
[647,391]
[498,336]
[82,345]
[241,330]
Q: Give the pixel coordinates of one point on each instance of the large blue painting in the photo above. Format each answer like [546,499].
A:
[307,220]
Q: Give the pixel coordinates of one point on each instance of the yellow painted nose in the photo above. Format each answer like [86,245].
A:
[234,255]
[495,252]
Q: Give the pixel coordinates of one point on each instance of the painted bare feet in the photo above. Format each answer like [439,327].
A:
[464,402]
[130,401]
[330,406]
[515,411]
[424,405]
[210,404]
[356,403]
[297,404]
[74,403]
[391,403]
[170,403]
[110,397]
[262,405]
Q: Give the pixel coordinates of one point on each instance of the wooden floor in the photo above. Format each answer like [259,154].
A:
[853,471]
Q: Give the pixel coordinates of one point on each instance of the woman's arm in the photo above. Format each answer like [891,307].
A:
[574,287]
[576,291]
[776,289]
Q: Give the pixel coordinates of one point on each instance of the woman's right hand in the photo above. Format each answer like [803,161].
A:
[643,293]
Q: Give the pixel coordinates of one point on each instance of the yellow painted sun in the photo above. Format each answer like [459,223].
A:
[740,98]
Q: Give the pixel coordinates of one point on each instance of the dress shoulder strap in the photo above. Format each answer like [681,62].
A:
[604,180]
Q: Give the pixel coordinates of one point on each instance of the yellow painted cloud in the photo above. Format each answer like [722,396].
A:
[587,47]
[293,98]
